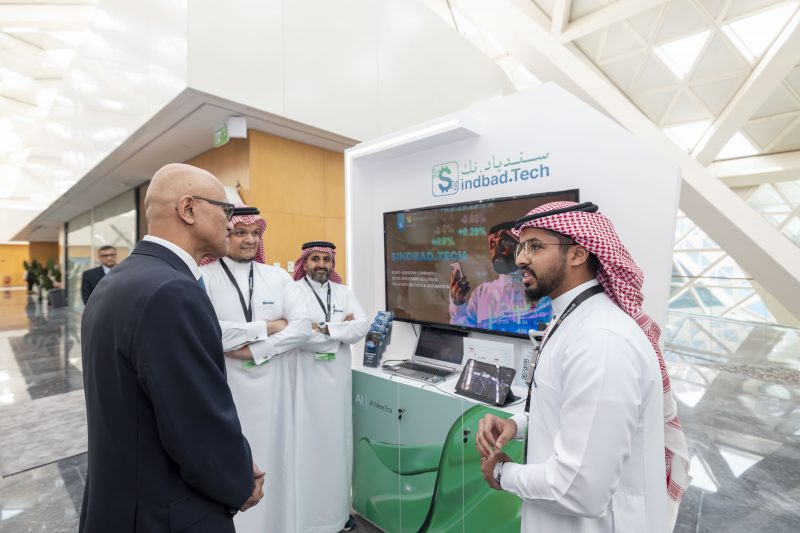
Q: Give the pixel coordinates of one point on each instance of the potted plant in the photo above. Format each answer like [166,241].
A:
[48,279]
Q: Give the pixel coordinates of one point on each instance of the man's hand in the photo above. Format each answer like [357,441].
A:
[315,327]
[493,434]
[349,317]
[258,490]
[241,353]
[274,326]
[459,287]
[487,468]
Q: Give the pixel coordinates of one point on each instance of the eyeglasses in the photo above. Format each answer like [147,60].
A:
[226,207]
[112,254]
[532,246]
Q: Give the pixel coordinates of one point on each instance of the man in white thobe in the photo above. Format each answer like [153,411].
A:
[261,359]
[500,304]
[323,407]
[599,405]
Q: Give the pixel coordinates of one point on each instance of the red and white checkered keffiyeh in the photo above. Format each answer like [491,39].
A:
[247,220]
[300,264]
[622,281]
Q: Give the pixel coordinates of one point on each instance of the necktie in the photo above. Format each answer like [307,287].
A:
[201,282]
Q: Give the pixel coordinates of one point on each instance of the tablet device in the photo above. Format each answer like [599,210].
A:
[485,382]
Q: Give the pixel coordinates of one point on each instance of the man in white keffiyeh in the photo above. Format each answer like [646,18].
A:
[605,450]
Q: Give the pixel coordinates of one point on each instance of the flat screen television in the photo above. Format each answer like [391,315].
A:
[469,246]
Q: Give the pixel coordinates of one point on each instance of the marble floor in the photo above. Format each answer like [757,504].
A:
[738,387]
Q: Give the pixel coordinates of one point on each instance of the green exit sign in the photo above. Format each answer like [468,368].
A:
[221,136]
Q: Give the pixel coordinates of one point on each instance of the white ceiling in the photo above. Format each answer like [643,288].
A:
[38,41]
[711,73]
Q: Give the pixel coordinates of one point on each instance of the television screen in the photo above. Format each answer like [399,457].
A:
[454,266]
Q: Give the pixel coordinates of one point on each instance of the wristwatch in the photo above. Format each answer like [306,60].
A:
[498,471]
[323,328]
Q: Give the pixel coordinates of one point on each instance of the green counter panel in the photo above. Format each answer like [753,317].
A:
[415,464]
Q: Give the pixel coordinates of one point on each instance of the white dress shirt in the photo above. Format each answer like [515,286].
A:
[177,250]
[595,429]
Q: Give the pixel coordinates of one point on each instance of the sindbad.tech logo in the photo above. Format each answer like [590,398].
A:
[444,179]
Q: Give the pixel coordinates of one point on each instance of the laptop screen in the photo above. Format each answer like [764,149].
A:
[443,345]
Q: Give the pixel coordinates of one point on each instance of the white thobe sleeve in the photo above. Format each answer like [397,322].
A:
[294,334]
[346,332]
[350,331]
[238,334]
[598,415]
[521,420]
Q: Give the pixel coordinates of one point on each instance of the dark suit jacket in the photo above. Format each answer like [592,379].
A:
[166,451]
[90,280]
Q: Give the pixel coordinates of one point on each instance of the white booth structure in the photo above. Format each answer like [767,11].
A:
[416,468]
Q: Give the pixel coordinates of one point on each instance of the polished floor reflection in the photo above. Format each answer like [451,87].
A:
[737,386]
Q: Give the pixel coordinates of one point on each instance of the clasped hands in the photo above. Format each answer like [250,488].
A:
[258,490]
[348,318]
[493,434]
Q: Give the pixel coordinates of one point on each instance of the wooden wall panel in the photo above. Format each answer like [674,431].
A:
[286,176]
[11,258]
[334,232]
[42,251]
[286,233]
[230,162]
[300,191]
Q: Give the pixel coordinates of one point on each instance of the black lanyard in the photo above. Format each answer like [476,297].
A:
[582,297]
[325,310]
[248,311]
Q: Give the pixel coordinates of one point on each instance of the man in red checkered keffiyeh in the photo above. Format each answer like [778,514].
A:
[600,366]
[317,246]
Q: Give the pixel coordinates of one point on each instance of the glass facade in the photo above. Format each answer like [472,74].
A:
[112,223]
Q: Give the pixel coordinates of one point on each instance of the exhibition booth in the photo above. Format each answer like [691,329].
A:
[428,208]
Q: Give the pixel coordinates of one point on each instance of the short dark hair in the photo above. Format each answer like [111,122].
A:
[105,247]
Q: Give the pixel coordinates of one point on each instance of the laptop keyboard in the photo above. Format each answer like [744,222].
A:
[441,372]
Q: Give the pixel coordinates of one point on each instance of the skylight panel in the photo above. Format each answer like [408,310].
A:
[680,56]
[687,135]
[754,34]
[738,146]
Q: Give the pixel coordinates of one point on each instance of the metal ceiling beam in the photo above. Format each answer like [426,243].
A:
[756,170]
[602,18]
[561,14]
[778,61]
[744,234]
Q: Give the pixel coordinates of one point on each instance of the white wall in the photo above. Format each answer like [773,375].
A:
[358,68]
[637,188]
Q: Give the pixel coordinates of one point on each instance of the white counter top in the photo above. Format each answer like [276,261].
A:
[446,387]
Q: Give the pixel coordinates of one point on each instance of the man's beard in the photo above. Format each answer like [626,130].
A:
[546,282]
[320,275]
[246,257]
[504,264]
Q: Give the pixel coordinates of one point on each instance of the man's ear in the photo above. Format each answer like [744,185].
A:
[185,209]
[578,255]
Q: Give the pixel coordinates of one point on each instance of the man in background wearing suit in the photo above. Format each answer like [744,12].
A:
[107,255]
[166,450]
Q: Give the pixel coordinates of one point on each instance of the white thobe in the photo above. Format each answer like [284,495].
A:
[323,410]
[263,393]
[596,428]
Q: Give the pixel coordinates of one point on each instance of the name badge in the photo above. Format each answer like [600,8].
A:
[319,356]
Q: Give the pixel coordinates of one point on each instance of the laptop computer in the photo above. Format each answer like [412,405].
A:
[437,356]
